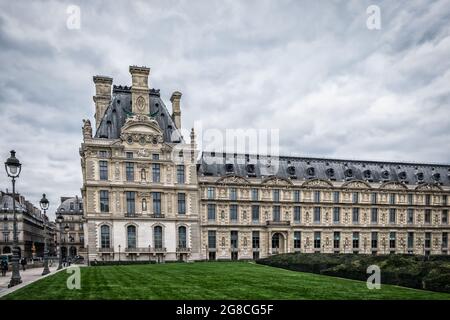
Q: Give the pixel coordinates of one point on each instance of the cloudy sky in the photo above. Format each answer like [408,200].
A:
[312,69]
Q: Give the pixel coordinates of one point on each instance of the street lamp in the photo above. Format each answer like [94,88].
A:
[13,168]
[59,220]
[119,253]
[44,206]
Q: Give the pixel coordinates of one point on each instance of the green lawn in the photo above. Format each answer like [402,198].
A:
[209,280]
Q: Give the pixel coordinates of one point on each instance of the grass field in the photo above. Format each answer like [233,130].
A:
[209,280]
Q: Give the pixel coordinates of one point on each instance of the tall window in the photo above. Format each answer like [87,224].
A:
[428,199]
[336,215]
[255,213]
[410,199]
[297,239]
[276,213]
[180,173]
[104,201]
[158,237]
[211,212]
[392,237]
[156,172]
[410,216]
[355,215]
[337,240]
[427,215]
[336,197]
[374,240]
[297,214]
[392,198]
[233,194]
[233,212]
[255,239]
[211,239]
[182,237]
[105,236]
[234,239]
[255,194]
[156,203]
[392,215]
[276,195]
[131,236]
[129,168]
[374,216]
[444,219]
[317,237]
[355,197]
[444,200]
[374,198]
[103,168]
[316,196]
[316,214]
[181,203]
[427,239]
[355,240]
[444,240]
[211,192]
[131,207]
[296,195]
[410,239]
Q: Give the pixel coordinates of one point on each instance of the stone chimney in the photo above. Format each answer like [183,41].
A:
[102,97]
[139,90]
[176,111]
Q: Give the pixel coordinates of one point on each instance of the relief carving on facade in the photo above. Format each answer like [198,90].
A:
[317,183]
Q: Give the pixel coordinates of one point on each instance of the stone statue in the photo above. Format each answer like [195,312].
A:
[87,129]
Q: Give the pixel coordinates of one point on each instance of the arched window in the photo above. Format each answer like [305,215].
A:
[182,237]
[131,236]
[157,233]
[105,237]
[144,205]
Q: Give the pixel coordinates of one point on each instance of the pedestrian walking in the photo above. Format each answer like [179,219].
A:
[4,267]
[23,263]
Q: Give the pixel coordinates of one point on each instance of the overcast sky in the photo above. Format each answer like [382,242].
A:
[311,69]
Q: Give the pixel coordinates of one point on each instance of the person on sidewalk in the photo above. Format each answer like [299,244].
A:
[24,263]
[4,267]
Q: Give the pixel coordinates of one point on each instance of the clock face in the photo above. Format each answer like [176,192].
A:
[140,103]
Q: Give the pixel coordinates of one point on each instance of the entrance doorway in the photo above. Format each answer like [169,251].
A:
[278,243]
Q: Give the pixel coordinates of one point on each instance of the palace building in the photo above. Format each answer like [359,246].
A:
[147,196]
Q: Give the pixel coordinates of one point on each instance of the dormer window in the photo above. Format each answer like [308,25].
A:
[385,174]
[250,168]
[229,167]
[402,175]
[420,176]
[291,170]
[311,172]
[436,176]
[330,173]
[348,173]
[367,174]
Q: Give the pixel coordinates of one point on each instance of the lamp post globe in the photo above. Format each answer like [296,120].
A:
[44,203]
[13,168]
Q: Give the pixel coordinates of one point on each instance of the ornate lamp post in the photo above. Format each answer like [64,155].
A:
[13,168]
[44,203]
[59,220]
[119,253]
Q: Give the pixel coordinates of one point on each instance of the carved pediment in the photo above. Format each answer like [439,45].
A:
[356,184]
[232,179]
[277,181]
[393,186]
[317,183]
[141,129]
[428,186]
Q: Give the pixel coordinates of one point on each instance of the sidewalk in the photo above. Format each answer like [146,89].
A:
[28,276]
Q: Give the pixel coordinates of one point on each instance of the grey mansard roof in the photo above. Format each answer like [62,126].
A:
[303,168]
[65,208]
[120,107]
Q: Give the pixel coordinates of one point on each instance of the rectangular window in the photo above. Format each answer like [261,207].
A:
[410,239]
[255,214]
[316,196]
[374,216]
[156,203]
[374,198]
[129,169]
[410,216]
[355,197]
[392,237]
[427,239]
[211,239]
[131,206]
[355,240]
[444,240]
[255,239]
[103,154]
[336,215]
[211,193]
[297,239]
[374,240]
[427,215]
[276,195]
[276,213]
[234,239]
[156,172]
[297,214]
[355,215]
[104,201]
[255,194]
[392,198]
[317,238]
[155,156]
[444,200]
[129,155]
[316,214]
[233,194]
[410,199]
[181,203]
[337,240]
[296,195]
[103,168]
[427,199]
[336,197]
[233,212]
[445,216]
[392,215]
[180,173]
[211,212]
